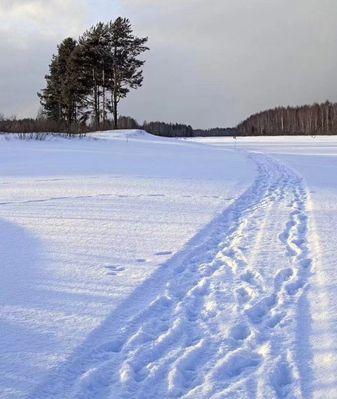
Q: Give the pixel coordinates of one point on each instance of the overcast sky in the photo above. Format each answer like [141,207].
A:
[212,63]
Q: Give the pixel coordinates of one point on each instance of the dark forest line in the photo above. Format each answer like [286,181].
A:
[41,124]
[316,119]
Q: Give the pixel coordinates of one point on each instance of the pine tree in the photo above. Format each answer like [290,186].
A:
[64,92]
[125,71]
[69,85]
[94,44]
[50,97]
[88,78]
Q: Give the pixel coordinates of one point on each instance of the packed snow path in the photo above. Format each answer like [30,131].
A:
[226,319]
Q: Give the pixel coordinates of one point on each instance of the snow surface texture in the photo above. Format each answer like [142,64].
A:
[315,159]
[241,306]
[83,223]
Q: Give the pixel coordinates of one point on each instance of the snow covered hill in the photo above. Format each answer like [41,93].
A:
[140,267]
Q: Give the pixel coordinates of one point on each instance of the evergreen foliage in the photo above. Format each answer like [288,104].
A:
[168,129]
[88,78]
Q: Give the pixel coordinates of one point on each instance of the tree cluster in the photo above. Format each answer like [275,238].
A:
[29,125]
[182,130]
[126,122]
[317,119]
[168,129]
[88,77]
[41,124]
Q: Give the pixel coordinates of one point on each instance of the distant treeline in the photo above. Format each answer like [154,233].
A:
[30,128]
[181,130]
[43,124]
[29,125]
[168,129]
[317,119]
[216,132]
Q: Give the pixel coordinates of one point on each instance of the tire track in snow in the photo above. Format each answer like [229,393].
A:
[218,329]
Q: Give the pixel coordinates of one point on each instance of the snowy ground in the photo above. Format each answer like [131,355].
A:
[315,160]
[140,267]
[85,222]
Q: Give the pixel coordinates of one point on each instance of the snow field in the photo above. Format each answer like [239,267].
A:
[224,326]
[83,224]
[141,267]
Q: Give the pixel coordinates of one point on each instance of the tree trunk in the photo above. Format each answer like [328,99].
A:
[115,111]
[115,99]
[104,100]
[96,105]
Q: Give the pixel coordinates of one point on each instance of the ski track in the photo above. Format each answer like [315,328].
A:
[222,328]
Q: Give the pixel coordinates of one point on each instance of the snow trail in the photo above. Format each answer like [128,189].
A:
[226,324]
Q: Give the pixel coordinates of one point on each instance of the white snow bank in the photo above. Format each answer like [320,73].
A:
[127,134]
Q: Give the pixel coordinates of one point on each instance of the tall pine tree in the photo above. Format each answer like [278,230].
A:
[125,67]
[64,92]
[50,96]
[94,50]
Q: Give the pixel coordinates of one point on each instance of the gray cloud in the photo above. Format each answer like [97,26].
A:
[29,33]
[211,63]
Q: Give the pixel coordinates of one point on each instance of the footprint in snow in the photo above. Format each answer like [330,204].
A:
[163,253]
[240,332]
[248,277]
[114,270]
